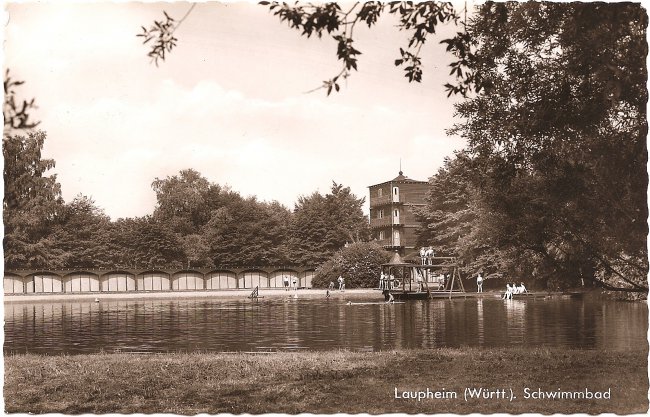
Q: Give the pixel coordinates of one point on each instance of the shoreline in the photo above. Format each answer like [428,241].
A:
[230,294]
[211,294]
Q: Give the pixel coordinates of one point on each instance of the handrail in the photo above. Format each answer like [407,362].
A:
[384,200]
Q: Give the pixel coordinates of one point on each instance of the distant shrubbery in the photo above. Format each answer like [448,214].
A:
[358,263]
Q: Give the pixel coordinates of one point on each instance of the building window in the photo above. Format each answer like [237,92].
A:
[382,236]
[396,213]
[395,191]
[380,215]
[380,192]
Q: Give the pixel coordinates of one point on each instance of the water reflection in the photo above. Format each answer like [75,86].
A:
[209,325]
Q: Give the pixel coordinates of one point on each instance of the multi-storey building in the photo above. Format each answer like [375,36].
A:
[392,220]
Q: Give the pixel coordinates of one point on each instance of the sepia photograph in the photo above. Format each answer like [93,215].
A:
[262,207]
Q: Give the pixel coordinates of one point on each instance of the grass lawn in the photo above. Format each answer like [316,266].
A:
[325,382]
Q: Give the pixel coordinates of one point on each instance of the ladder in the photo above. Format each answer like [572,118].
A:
[255,294]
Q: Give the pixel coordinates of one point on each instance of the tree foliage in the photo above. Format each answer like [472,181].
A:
[419,19]
[248,232]
[186,200]
[323,224]
[17,113]
[150,243]
[80,232]
[451,217]
[32,202]
[359,264]
[161,32]
[557,132]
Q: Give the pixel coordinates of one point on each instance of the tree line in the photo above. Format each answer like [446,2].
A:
[553,182]
[195,224]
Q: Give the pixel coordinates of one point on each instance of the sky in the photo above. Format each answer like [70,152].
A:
[231,101]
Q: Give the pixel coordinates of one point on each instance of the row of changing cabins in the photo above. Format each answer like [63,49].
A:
[130,280]
[33,282]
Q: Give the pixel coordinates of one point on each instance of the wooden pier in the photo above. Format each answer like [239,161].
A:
[411,281]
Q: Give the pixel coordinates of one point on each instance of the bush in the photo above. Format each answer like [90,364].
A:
[358,263]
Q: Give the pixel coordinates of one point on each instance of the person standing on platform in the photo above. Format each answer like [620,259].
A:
[418,280]
[423,255]
[285,279]
[429,254]
[479,283]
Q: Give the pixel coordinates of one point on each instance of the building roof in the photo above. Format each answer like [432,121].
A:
[396,259]
[401,178]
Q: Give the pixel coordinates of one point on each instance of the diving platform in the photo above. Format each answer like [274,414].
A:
[435,277]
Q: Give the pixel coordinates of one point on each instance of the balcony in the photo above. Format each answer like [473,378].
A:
[375,223]
[383,200]
[387,243]
[384,222]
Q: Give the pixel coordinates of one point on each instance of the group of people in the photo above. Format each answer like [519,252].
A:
[341,281]
[426,255]
[294,283]
[387,282]
[512,289]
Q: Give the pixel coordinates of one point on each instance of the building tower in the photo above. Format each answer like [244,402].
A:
[392,221]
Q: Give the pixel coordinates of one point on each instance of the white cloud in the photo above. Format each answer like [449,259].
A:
[228,103]
[277,150]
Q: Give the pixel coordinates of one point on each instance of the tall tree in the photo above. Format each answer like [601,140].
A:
[248,232]
[346,212]
[145,242]
[31,204]
[184,200]
[450,209]
[560,127]
[310,226]
[321,225]
[81,232]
